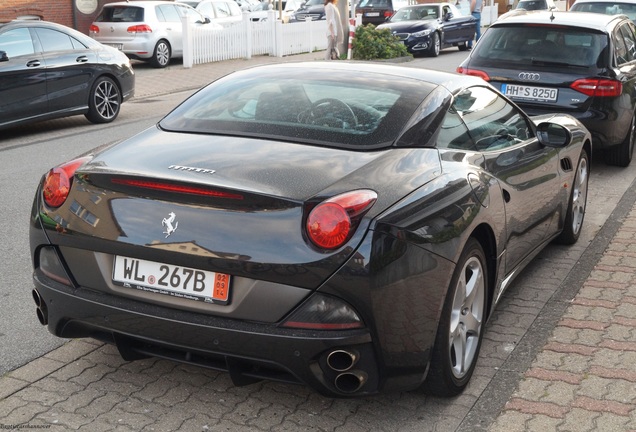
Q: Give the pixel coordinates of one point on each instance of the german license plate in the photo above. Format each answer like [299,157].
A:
[118,46]
[539,94]
[177,281]
[373,14]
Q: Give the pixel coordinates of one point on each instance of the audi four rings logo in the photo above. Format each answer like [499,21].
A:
[529,76]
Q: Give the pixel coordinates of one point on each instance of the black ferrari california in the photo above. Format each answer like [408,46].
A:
[427,28]
[347,226]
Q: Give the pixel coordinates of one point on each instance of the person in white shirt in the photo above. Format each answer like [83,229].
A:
[334,30]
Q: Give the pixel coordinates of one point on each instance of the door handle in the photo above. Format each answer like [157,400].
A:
[33,63]
[81,59]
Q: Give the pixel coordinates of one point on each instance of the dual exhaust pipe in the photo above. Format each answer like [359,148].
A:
[41,311]
[348,380]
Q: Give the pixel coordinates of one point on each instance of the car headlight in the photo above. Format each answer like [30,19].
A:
[422,33]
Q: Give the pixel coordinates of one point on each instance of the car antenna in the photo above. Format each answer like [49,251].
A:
[552,15]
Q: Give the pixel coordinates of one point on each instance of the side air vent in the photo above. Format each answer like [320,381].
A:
[566,164]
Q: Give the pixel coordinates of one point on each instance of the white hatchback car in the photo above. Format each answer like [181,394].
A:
[224,12]
[146,30]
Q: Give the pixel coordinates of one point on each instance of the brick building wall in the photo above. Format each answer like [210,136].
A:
[63,12]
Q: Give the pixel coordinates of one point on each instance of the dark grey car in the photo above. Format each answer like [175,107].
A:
[48,71]
[350,226]
[582,64]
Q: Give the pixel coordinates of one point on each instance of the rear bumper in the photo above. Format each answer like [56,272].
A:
[248,351]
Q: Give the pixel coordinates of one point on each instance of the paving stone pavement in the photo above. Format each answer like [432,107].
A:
[551,361]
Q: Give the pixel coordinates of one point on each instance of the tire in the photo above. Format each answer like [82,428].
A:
[433,50]
[460,330]
[576,206]
[621,155]
[104,101]
[161,54]
[463,46]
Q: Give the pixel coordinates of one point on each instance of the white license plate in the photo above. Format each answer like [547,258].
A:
[177,281]
[118,46]
[539,94]
[373,14]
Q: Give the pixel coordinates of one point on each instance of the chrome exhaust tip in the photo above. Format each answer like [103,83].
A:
[342,360]
[41,310]
[350,382]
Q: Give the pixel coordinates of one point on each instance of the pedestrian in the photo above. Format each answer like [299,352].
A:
[475,11]
[334,30]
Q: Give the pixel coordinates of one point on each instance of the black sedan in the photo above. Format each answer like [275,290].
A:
[48,71]
[427,28]
[350,226]
[579,63]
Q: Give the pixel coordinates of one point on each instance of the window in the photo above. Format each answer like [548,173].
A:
[531,46]
[222,10]
[627,45]
[492,122]
[17,42]
[369,112]
[121,14]
[454,134]
[169,13]
[53,40]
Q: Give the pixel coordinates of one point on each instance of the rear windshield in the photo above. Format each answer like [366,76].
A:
[365,111]
[375,4]
[542,46]
[121,14]
[607,8]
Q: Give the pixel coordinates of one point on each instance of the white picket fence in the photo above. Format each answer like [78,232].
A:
[205,44]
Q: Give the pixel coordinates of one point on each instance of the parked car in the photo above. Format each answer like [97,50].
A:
[573,62]
[427,28]
[518,6]
[48,71]
[346,225]
[249,5]
[314,9]
[531,5]
[608,7]
[146,30]
[378,11]
[218,11]
[288,8]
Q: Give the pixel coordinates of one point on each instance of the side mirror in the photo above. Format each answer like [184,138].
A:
[448,16]
[3,56]
[553,135]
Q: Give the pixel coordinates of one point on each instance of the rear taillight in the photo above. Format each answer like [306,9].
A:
[387,14]
[139,28]
[57,182]
[332,222]
[93,29]
[474,72]
[598,87]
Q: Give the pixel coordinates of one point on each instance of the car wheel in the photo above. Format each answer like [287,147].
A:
[621,155]
[463,46]
[576,207]
[161,55]
[433,50]
[104,101]
[459,334]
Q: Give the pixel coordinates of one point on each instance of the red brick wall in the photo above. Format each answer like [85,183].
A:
[59,11]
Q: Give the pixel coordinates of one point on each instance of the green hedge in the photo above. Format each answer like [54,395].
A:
[370,43]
